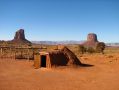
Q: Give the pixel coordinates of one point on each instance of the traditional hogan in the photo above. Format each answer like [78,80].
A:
[61,57]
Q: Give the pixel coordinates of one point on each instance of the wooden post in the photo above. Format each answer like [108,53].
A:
[33,53]
[10,53]
[15,54]
[1,50]
[28,57]
[37,61]
[21,55]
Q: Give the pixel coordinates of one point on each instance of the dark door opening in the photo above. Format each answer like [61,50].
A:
[43,60]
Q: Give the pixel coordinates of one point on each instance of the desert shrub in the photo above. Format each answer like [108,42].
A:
[100,47]
[81,49]
[30,44]
[90,50]
[110,56]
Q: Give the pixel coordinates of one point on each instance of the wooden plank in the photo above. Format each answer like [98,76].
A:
[37,61]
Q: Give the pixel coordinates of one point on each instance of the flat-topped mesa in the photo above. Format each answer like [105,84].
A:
[20,37]
[92,37]
[91,40]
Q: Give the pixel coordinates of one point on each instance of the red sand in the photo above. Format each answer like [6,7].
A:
[21,75]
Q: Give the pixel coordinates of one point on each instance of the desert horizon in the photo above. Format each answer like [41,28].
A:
[59,45]
[29,66]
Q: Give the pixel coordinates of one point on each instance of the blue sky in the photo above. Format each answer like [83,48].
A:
[58,20]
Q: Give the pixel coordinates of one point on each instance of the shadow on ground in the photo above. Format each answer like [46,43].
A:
[86,65]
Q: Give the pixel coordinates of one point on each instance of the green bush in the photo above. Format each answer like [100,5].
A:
[90,50]
[100,47]
[81,49]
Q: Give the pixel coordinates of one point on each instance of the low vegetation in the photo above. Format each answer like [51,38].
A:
[100,47]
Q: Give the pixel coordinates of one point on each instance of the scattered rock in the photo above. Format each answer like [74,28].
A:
[110,61]
[110,56]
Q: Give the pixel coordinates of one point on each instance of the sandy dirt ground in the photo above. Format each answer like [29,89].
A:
[21,75]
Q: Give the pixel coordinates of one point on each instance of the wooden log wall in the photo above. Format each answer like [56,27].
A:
[17,53]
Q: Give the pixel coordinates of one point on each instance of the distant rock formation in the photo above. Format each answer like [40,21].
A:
[91,40]
[92,37]
[20,37]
